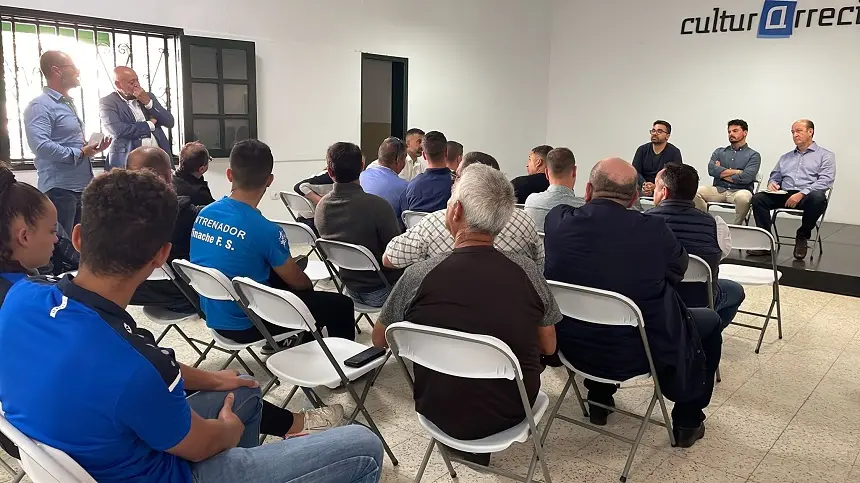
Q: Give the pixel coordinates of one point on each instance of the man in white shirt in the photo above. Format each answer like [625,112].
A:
[561,173]
[134,118]
[415,162]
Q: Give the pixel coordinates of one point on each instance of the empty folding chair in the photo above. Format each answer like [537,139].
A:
[698,271]
[606,308]
[315,364]
[754,238]
[412,218]
[471,356]
[730,207]
[796,212]
[297,205]
[299,234]
[347,256]
[212,284]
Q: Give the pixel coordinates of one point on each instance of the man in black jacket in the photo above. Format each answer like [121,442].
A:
[535,181]
[188,180]
[606,246]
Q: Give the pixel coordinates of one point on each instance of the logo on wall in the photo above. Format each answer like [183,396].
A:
[778,20]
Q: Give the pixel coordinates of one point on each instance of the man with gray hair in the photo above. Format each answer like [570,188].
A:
[480,290]
[605,245]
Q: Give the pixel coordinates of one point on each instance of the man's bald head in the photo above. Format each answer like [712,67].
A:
[126,81]
[613,179]
[59,70]
[153,159]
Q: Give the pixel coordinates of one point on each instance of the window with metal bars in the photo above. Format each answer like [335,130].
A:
[96,46]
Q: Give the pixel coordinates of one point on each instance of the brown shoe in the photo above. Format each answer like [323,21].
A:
[800,248]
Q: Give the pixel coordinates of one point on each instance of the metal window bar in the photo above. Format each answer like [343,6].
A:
[26,34]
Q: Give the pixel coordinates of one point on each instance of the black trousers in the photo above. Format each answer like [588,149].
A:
[813,206]
[688,411]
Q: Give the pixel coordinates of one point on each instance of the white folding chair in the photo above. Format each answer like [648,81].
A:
[754,238]
[297,205]
[42,463]
[796,212]
[412,218]
[725,206]
[299,234]
[698,271]
[520,206]
[647,202]
[212,284]
[315,364]
[347,256]
[471,356]
[612,309]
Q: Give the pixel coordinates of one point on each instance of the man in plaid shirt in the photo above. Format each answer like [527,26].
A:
[430,237]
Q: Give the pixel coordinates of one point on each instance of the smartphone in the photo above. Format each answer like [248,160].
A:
[364,357]
[96,139]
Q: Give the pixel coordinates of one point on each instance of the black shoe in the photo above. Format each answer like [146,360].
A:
[267,350]
[482,459]
[758,253]
[800,248]
[686,437]
[598,415]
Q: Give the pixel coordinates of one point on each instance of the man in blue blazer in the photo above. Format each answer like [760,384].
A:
[133,117]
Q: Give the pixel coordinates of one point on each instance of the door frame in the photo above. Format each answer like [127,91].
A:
[399,82]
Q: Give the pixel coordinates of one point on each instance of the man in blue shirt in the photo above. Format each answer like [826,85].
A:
[55,134]
[430,190]
[125,416]
[800,180]
[233,237]
[382,179]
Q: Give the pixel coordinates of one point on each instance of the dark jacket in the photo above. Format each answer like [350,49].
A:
[197,189]
[605,246]
[697,233]
[119,122]
[529,184]
[648,164]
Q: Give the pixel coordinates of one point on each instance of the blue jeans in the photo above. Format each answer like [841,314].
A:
[68,204]
[728,299]
[376,298]
[350,454]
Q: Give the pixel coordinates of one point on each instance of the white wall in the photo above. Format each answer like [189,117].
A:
[617,66]
[477,69]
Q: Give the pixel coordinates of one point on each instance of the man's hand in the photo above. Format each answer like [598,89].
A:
[233,427]
[728,173]
[142,96]
[90,150]
[772,186]
[229,379]
[717,163]
[154,121]
[794,199]
[648,188]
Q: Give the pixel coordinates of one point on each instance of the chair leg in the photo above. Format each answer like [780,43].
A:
[539,455]
[357,328]
[163,333]
[233,355]
[244,365]
[188,340]
[579,397]
[666,418]
[289,397]
[19,477]
[447,461]
[775,230]
[719,377]
[764,327]
[778,310]
[425,460]
[372,425]
[203,355]
[638,439]
[554,412]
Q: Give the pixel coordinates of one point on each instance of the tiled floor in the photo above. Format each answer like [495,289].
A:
[789,414]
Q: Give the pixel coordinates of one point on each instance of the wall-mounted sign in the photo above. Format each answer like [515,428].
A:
[778,19]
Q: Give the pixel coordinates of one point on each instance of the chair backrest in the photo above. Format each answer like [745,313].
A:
[451,352]
[42,463]
[751,238]
[538,215]
[298,234]
[647,202]
[698,270]
[412,218]
[207,282]
[297,205]
[347,255]
[595,306]
[275,306]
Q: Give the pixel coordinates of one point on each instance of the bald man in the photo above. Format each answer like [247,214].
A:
[605,245]
[134,118]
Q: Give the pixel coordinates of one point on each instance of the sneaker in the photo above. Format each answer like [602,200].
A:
[317,420]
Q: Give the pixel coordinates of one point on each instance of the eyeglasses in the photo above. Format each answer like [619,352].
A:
[657,131]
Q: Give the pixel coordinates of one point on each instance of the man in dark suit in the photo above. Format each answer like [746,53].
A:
[133,117]
[606,246]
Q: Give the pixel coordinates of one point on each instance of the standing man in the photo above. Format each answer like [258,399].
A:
[800,180]
[535,181]
[55,133]
[133,117]
[734,168]
[415,164]
[651,157]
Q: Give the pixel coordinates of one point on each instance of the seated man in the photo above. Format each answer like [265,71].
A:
[232,236]
[382,179]
[133,421]
[535,181]
[561,173]
[800,180]
[605,245]
[430,236]
[651,157]
[734,168]
[700,234]
[414,164]
[480,290]
[430,190]
[350,215]
[454,155]
[188,180]
[165,292]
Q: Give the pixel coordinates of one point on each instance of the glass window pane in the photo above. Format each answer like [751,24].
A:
[234,64]
[208,132]
[204,98]
[204,62]
[235,99]
[235,130]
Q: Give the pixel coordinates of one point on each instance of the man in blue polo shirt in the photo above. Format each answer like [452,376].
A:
[382,179]
[430,190]
[123,414]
